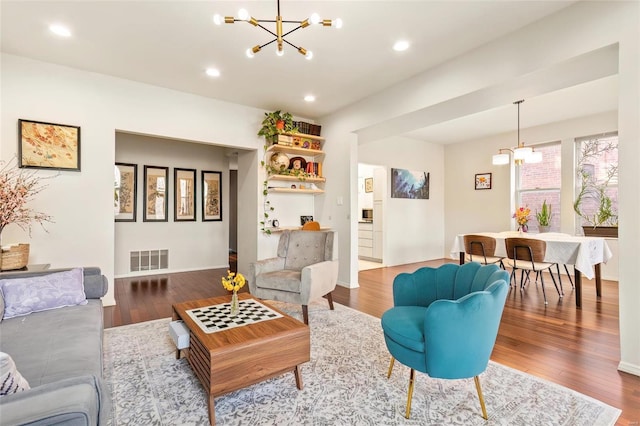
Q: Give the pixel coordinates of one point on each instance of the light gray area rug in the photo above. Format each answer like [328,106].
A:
[345,383]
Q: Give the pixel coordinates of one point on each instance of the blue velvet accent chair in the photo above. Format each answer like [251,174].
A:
[445,321]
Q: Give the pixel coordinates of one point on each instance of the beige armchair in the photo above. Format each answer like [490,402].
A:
[306,269]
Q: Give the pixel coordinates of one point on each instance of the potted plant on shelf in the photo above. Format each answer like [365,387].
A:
[275,123]
[593,204]
[544,217]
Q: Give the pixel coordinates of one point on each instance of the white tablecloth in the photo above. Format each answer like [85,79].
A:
[582,252]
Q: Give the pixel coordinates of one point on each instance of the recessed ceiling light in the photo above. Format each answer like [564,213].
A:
[401,45]
[60,30]
[309,98]
[212,72]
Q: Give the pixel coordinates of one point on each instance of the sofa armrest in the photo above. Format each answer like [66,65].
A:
[78,401]
[95,284]
[261,267]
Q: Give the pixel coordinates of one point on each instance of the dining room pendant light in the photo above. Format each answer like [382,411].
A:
[521,153]
[279,32]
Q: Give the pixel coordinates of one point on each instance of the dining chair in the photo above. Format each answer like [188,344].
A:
[561,234]
[311,226]
[483,248]
[527,254]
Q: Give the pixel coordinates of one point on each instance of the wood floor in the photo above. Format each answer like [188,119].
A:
[576,348]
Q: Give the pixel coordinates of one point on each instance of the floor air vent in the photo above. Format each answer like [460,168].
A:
[149,260]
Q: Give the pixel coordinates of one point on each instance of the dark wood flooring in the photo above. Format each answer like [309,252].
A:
[576,348]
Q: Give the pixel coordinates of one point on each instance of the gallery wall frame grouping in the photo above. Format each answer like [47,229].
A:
[155,198]
[43,145]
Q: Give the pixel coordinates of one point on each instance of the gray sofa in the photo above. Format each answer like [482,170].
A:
[59,352]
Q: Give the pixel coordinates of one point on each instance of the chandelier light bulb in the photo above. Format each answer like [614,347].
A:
[279,52]
[314,18]
[308,55]
[337,23]
[250,53]
[243,14]
[217,19]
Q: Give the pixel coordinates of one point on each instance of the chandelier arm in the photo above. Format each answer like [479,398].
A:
[289,32]
[268,30]
[268,43]
[291,44]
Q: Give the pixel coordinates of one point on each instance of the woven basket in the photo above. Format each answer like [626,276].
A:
[14,257]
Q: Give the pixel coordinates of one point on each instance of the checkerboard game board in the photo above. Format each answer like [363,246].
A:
[216,318]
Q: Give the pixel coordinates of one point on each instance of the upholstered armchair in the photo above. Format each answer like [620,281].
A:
[306,268]
[445,321]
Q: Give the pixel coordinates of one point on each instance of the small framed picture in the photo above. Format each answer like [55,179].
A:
[156,200]
[48,145]
[184,200]
[368,185]
[483,181]
[125,194]
[305,219]
[211,196]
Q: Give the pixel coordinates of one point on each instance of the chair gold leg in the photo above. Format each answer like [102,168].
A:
[479,389]
[390,367]
[412,376]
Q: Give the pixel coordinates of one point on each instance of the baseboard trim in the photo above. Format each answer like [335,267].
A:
[629,368]
[168,271]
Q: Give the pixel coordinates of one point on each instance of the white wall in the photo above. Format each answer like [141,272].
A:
[413,229]
[192,245]
[82,202]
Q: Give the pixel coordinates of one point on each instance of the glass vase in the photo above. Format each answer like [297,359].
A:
[234,309]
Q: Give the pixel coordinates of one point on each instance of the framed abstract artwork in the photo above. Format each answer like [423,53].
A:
[211,196]
[483,181]
[48,146]
[124,196]
[409,184]
[156,200]
[184,200]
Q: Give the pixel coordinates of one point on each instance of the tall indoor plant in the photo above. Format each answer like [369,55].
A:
[603,221]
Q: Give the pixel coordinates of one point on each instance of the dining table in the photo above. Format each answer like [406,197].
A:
[586,254]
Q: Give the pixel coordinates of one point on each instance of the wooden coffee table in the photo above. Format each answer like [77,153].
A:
[232,359]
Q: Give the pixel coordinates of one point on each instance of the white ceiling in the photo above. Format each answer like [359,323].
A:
[171,43]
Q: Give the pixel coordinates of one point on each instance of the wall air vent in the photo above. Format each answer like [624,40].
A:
[148,260]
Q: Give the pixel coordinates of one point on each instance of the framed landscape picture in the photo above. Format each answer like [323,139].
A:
[483,181]
[211,196]
[124,197]
[184,200]
[156,202]
[48,146]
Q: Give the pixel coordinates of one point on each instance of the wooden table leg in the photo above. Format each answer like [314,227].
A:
[578,282]
[298,375]
[212,411]
[462,258]
[598,280]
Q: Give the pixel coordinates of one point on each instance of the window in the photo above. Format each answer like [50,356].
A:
[596,201]
[537,182]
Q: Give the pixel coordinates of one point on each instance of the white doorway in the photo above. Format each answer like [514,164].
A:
[372,188]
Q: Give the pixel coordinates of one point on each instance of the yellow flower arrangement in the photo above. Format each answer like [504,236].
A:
[522,217]
[233,281]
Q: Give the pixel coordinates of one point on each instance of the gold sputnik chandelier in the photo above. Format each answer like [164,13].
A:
[279,34]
